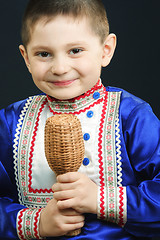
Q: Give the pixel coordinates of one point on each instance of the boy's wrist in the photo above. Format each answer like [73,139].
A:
[41,230]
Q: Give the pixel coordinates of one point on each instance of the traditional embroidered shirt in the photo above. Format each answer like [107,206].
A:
[122,156]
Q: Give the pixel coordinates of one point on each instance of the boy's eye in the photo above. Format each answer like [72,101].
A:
[44,54]
[75,51]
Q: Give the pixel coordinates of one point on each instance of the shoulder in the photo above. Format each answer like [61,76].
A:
[13,111]
[126,96]
[131,105]
[127,99]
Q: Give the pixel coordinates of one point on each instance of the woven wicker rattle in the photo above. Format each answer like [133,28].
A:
[64,146]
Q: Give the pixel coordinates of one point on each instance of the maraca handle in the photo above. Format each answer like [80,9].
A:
[74,232]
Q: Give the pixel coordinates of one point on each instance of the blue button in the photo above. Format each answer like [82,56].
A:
[90,114]
[86,136]
[96,95]
[86,161]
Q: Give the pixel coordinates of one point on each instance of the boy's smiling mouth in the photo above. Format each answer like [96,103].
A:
[63,82]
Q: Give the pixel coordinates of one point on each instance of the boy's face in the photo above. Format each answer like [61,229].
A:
[65,57]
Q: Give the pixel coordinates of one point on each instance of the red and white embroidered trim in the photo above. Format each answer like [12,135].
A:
[31,190]
[28,224]
[23,153]
[110,210]
[16,141]
[111,194]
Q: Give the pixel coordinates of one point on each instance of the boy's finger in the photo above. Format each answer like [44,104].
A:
[71,212]
[57,187]
[68,177]
[69,203]
[61,195]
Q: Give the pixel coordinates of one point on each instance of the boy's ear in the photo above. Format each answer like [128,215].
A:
[108,49]
[25,56]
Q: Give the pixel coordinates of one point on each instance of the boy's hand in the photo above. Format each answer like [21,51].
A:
[55,222]
[75,190]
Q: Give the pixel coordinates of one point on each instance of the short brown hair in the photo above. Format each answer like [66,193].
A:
[37,9]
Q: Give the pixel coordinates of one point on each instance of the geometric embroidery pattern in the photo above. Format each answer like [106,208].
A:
[111,197]
[27,223]
[23,154]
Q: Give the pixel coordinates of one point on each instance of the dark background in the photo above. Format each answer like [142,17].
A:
[135,65]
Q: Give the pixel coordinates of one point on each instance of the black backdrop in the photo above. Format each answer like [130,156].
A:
[135,65]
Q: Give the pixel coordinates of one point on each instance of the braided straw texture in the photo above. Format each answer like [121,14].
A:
[64,146]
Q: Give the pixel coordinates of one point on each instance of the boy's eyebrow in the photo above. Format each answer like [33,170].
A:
[34,48]
[79,43]
[76,43]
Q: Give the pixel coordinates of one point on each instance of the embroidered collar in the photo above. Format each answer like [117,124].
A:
[91,97]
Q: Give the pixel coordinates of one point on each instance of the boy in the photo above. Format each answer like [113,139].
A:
[115,194]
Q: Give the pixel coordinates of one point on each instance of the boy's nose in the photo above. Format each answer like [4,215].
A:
[60,66]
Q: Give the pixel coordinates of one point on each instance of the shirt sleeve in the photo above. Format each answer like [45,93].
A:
[16,221]
[142,136]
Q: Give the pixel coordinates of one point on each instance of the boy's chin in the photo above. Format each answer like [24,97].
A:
[67,97]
